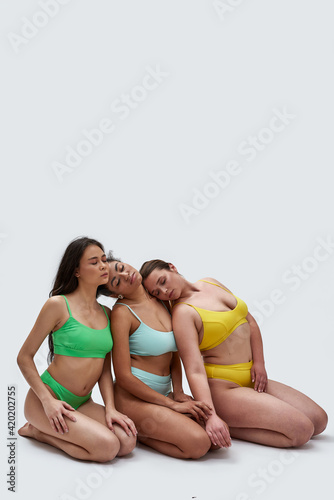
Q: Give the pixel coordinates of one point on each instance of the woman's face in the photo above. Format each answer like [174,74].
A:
[93,267]
[164,284]
[123,279]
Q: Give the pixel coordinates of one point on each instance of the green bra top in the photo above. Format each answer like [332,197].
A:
[81,341]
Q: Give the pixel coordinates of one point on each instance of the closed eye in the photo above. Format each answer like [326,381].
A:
[103,260]
[115,281]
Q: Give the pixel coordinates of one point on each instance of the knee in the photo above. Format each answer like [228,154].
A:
[214,447]
[320,421]
[199,445]
[105,449]
[127,445]
[302,432]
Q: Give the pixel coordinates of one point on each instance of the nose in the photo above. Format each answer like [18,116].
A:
[163,290]
[125,274]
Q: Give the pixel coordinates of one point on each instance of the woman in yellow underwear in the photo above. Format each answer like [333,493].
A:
[59,407]
[210,322]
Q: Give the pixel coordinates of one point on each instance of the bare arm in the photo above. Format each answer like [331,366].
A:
[176,372]
[121,326]
[105,381]
[106,385]
[259,374]
[48,319]
[186,336]
[107,393]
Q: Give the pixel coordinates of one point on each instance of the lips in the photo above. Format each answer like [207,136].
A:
[104,275]
[132,278]
[170,295]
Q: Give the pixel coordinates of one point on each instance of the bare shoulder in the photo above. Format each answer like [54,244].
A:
[53,312]
[55,305]
[121,322]
[119,313]
[186,325]
[184,312]
[216,282]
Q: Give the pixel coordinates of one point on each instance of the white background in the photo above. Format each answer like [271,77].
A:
[226,71]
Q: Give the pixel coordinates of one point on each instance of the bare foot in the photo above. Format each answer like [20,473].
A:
[27,430]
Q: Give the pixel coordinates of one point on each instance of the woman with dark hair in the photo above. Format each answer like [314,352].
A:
[209,321]
[59,407]
[146,366]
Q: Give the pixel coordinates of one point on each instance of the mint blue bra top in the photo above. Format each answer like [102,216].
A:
[81,341]
[145,341]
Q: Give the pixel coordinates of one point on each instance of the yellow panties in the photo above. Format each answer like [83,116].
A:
[239,374]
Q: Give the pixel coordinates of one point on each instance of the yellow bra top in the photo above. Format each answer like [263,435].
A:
[218,325]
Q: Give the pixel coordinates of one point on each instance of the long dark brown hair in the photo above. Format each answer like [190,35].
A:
[65,281]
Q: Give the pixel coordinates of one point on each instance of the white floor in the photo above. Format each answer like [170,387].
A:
[300,356]
[245,472]
[228,68]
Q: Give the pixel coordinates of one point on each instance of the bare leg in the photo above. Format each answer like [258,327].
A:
[87,439]
[163,429]
[97,412]
[303,403]
[260,417]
